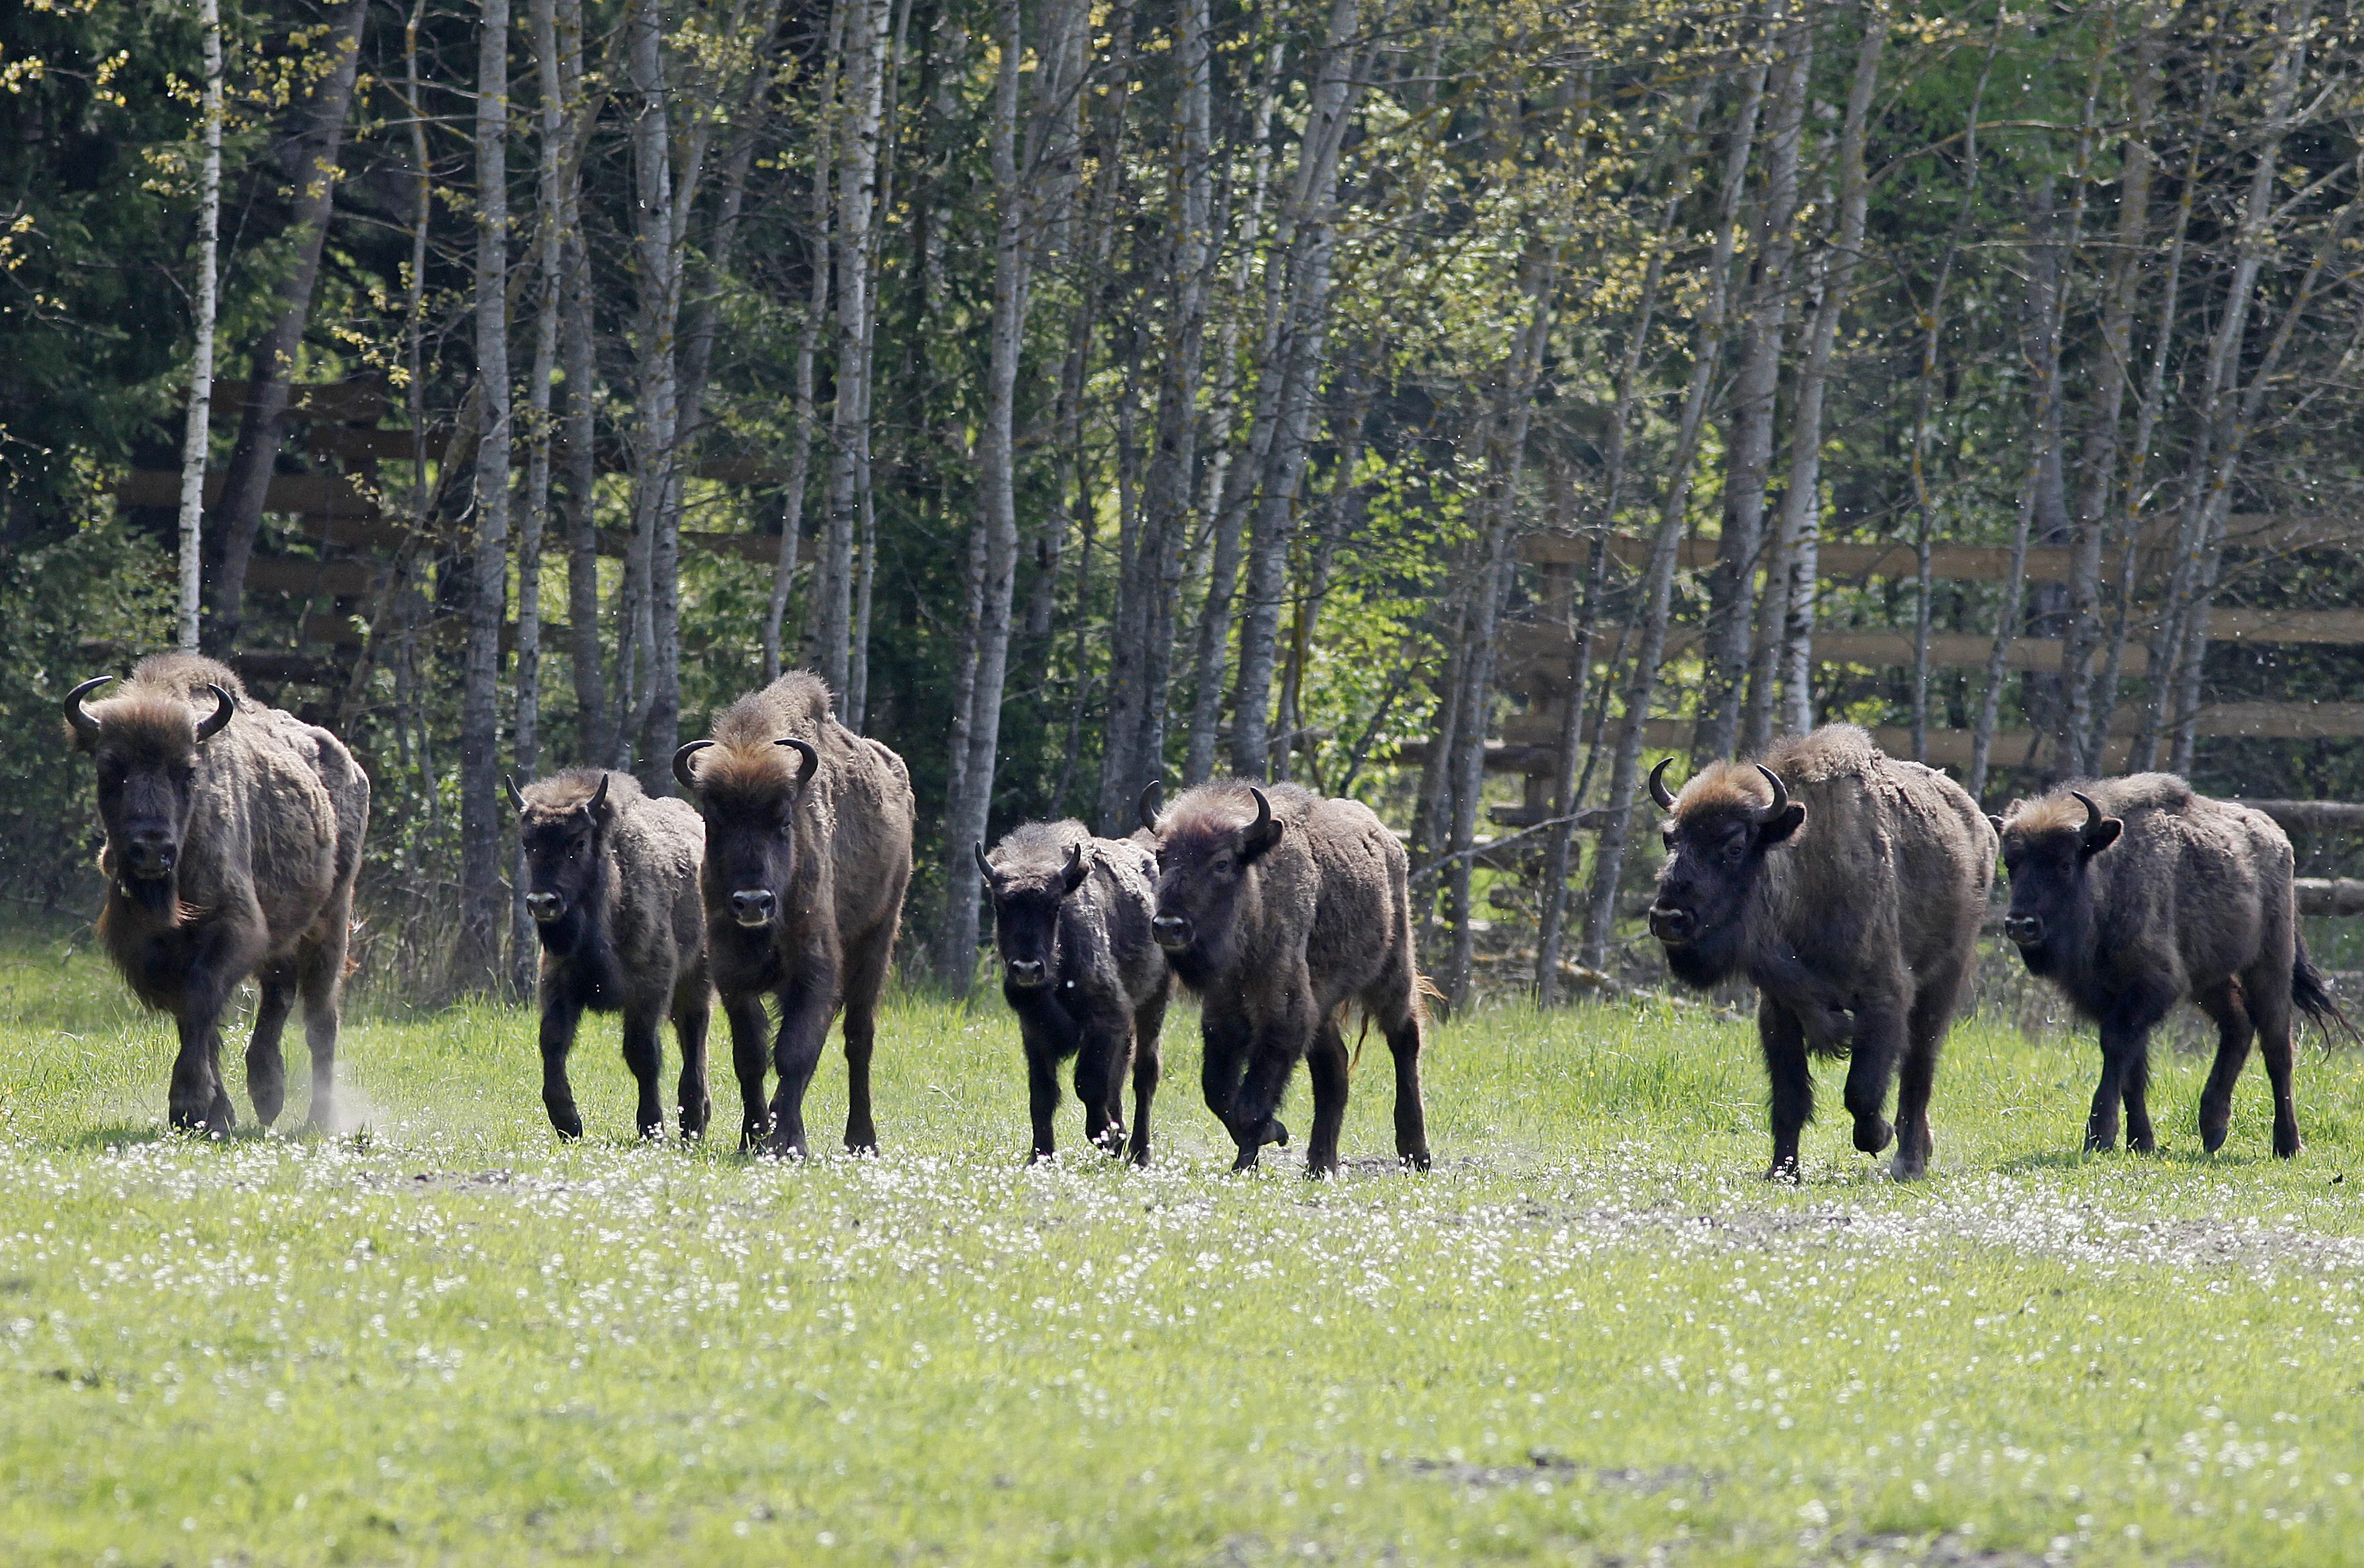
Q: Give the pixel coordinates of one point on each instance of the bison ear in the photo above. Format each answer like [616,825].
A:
[1078,866]
[2099,837]
[1997,822]
[1781,824]
[1261,834]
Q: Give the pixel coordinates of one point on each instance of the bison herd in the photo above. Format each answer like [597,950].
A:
[1847,886]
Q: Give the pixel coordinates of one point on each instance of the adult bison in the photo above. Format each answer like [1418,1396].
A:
[1278,908]
[611,879]
[1082,971]
[2131,893]
[1849,887]
[233,838]
[808,854]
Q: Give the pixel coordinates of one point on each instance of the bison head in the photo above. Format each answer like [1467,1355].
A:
[2046,845]
[1027,893]
[563,826]
[1717,838]
[749,799]
[1206,861]
[147,747]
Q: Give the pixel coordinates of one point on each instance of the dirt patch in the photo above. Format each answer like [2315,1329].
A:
[1543,1465]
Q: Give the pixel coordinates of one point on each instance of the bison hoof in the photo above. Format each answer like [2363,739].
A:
[1784,1169]
[1415,1159]
[1139,1156]
[1246,1159]
[1276,1131]
[568,1124]
[1042,1157]
[1324,1172]
[2212,1139]
[1872,1133]
[2286,1144]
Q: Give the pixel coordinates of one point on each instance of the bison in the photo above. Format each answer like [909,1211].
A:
[2131,893]
[1278,908]
[807,855]
[1082,969]
[1849,887]
[233,840]
[611,879]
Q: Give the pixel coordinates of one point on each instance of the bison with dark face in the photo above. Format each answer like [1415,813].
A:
[2133,894]
[1849,886]
[1071,923]
[807,855]
[233,840]
[611,883]
[1279,909]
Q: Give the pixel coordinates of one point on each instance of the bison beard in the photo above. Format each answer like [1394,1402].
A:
[2131,893]
[807,855]
[233,841]
[1278,910]
[1072,922]
[1854,908]
[612,879]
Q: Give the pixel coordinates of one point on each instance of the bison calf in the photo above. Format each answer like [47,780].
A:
[611,880]
[233,840]
[1849,887]
[2131,893]
[1082,971]
[1278,908]
[808,854]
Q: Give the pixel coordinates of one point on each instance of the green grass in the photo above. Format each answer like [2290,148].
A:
[1590,1333]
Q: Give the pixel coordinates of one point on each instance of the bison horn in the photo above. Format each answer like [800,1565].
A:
[1658,785]
[517,796]
[680,768]
[1780,794]
[1153,801]
[983,865]
[79,715]
[1073,874]
[808,751]
[599,801]
[2093,815]
[1263,832]
[224,707]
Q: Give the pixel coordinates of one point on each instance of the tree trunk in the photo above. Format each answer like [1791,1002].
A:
[1658,576]
[1135,745]
[857,170]
[561,55]
[1790,584]
[1725,640]
[481,904]
[196,436]
[1335,83]
[316,133]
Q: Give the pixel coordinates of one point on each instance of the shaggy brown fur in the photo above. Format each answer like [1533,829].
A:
[612,887]
[1276,927]
[2156,895]
[227,856]
[803,886]
[1855,908]
[1082,972]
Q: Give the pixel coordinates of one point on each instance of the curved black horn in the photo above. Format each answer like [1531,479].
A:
[224,707]
[680,768]
[1658,791]
[1153,801]
[808,751]
[2093,813]
[1263,811]
[517,796]
[1780,794]
[79,715]
[599,797]
[1071,875]
[983,865]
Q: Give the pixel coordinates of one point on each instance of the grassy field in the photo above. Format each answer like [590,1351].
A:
[1590,1334]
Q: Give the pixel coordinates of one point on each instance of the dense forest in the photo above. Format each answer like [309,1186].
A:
[1459,403]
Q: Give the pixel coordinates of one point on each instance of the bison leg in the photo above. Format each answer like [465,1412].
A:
[2269,1011]
[1783,1041]
[1271,1061]
[865,975]
[2223,1002]
[1147,1023]
[750,1058]
[1411,1104]
[644,1055]
[320,977]
[1103,1056]
[805,1010]
[198,1102]
[266,1069]
[560,1015]
[1224,1038]
[691,1015]
[1879,1034]
[1042,1096]
[1325,1065]
[2136,1092]
[1925,1038]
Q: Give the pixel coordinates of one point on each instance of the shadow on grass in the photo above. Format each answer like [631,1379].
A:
[2183,1156]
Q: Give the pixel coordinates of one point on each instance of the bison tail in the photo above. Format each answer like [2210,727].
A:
[1423,991]
[2311,994]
